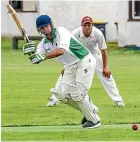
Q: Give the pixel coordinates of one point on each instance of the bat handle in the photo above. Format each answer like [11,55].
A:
[26,39]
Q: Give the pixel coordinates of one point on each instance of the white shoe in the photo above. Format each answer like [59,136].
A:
[52,102]
[120,104]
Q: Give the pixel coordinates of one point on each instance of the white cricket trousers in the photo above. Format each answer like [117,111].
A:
[108,83]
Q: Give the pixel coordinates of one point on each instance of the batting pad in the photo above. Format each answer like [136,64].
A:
[95,107]
[57,93]
[88,110]
[73,104]
[62,98]
[76,92]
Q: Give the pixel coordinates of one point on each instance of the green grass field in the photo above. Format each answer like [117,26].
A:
[25,92]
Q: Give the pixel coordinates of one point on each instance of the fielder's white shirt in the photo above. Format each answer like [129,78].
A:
[94,42]
[74,50]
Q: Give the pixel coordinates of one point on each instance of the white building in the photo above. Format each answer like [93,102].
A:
[129,23]
[69,14]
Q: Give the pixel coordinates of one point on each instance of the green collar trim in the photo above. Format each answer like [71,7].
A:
[54,37]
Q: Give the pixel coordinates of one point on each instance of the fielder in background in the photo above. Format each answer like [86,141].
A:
[93,39]
[78,62]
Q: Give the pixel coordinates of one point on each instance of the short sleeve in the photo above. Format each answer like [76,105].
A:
[101,41]
[63,38]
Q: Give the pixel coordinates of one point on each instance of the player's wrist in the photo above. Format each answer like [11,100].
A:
[37,58]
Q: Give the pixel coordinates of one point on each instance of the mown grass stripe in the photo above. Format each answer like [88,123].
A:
[60,128]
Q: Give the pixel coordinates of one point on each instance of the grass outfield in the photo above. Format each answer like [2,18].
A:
[73,133]
[25,92]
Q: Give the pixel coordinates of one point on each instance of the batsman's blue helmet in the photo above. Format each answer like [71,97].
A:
[43,20]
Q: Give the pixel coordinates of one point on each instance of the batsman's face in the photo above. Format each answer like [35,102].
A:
[87,28]
[46,30]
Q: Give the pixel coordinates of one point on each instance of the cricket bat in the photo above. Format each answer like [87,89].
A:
[18,22]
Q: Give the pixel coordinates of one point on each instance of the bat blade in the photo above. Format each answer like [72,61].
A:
[18,22]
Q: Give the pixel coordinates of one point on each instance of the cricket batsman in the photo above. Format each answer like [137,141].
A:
[78,62]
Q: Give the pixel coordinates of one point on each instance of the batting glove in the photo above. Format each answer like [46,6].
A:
[29,48]
[36,58]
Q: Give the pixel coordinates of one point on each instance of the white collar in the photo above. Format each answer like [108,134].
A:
[82,34]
